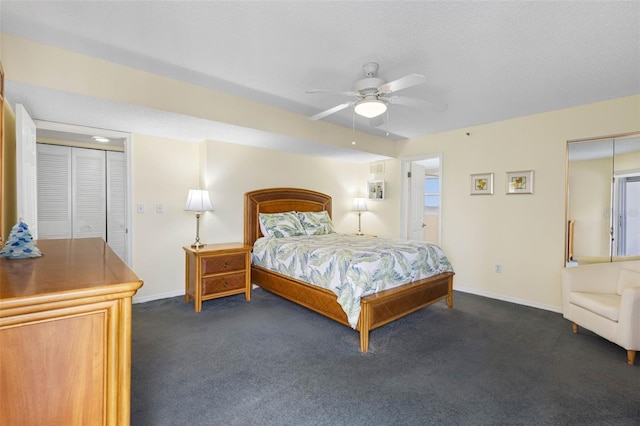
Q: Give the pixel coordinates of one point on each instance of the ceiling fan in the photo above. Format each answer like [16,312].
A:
[373,96]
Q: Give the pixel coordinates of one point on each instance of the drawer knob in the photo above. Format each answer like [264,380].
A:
[226,265]
[224,283]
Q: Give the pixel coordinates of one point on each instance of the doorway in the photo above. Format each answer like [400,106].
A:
[116,160]
[422,196]
[626,217]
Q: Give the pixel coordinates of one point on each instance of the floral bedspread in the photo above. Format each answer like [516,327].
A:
[350,266]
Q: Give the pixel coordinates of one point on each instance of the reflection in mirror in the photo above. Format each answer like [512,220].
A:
[626,197]
[603,197]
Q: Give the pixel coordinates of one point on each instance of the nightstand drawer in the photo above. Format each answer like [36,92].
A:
[222,283]
[223,263]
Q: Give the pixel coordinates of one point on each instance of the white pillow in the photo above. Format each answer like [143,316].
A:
[280,225]
[316,223]
[626,279]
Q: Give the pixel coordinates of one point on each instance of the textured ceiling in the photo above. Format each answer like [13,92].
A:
[488,61]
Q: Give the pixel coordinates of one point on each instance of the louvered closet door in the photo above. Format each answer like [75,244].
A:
[89,193]
[116,203]
[54,191]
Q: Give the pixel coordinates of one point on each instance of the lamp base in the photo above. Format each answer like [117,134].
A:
[198,244]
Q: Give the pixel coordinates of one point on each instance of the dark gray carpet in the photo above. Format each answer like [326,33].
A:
[271,362]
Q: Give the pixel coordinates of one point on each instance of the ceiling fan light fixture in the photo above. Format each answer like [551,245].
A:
[370,108]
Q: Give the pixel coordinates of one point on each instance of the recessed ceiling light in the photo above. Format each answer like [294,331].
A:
[100,139]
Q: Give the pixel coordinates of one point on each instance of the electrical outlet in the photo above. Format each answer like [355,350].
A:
[159,208]
[140,208]
[498,268]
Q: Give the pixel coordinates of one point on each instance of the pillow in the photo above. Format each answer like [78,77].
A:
[626,279]
[316,223]
[280,225]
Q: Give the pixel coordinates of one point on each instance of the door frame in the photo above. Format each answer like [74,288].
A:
[405,189]
[91,131]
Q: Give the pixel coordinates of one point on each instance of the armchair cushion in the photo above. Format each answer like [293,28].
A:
[627,278]
[605,305]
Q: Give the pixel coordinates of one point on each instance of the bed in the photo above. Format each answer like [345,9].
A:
[375,310]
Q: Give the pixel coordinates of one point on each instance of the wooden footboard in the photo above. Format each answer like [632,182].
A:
[376,309]
[382,308]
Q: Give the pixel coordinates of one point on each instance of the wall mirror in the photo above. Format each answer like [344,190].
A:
[603,199]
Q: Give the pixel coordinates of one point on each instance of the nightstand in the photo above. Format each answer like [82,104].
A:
[217,270]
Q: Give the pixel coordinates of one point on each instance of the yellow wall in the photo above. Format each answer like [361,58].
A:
[41,65]
[233,170]
[523,233]
[163,171]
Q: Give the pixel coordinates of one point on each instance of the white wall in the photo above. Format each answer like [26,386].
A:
[523,233]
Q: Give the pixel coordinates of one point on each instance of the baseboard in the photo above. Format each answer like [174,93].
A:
[142,299]
[517,301]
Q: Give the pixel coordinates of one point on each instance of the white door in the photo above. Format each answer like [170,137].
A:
[54,191]
[116,203]
[89,193]
[416,202]
[26,170]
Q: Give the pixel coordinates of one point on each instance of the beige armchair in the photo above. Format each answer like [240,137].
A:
[605,299]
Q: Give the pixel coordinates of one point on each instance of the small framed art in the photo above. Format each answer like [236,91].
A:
[520,182]
[482,184]
[376,189]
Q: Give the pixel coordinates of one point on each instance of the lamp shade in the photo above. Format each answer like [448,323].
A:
[359,205]
[370,107]
[198,201]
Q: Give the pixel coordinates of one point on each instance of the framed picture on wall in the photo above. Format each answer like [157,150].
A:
[520,182]
[376,189]
[482,184]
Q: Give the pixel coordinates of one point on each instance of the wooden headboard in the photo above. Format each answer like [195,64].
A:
[278,200]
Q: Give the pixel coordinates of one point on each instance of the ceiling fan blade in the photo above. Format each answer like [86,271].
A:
[402,83]
[417,103]
[331,92]
[376,121]
[330,111]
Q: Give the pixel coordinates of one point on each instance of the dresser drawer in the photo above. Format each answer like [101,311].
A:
[223,263]
[222,283]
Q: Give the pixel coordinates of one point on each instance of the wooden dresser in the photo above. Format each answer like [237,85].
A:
[65,336]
